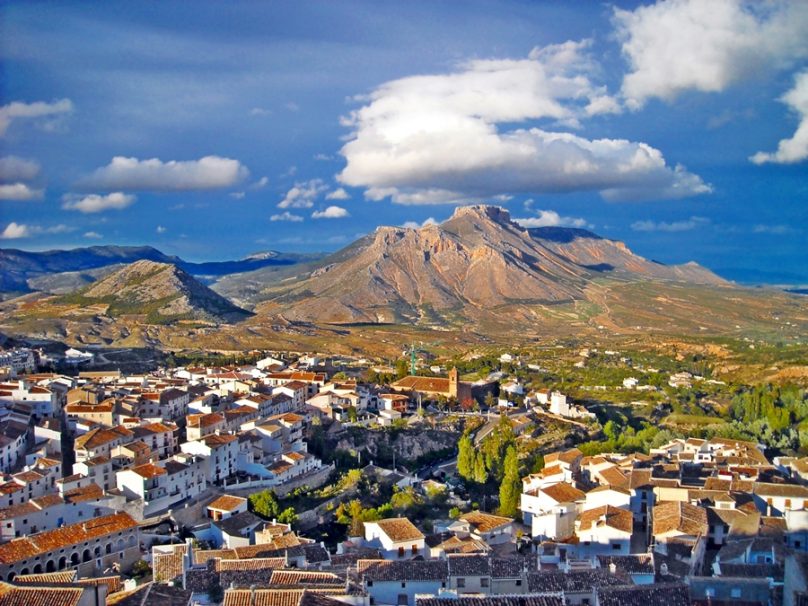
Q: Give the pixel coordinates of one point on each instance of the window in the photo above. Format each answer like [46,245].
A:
[401,552]
[616,546]
[735,592]
[402,599]
[415,549]
[484,582]
[461,582]
[370,583]
[403,584]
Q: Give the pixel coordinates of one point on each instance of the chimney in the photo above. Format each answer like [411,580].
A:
[252,595]
[612,568]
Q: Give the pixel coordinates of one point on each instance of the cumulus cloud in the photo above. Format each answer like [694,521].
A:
[675,226]
[39,109]
[132,174]
[161,230]
[14,231]
[303,194]
[437,139]
[678,45]
[338,194]
[773,229]
[794,149]
[550,218]
[20,191]
[92,235]
[95,203]
[332,212]
[13,168]
[261,183]
[286,216]
[416,225]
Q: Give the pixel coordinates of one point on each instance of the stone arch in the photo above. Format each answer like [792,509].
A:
[87,555]
[50,566]
[25,571]
[75,558]
[120,545]
[38,569]
[97,551]
[108,548]
[62,563]
[11,576]
[131,542]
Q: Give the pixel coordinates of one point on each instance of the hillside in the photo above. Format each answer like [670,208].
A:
[58,271]
[476,264]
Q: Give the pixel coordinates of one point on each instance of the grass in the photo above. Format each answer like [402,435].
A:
[685,419]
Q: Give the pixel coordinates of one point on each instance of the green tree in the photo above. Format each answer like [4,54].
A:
[265,504]
[287,516]
[511,486]
[454,513]
[480,473]
[465,457]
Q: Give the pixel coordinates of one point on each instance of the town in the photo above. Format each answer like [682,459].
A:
[274,481]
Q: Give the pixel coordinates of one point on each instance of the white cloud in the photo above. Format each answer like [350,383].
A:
[131,174]
[550,218]
[675,226]
[303,194]
[61,228]
[292,106]
[261,183]
[794,149]
[13,168]
[237,195]
[95,203]
[435,139]
[286,216]
[39,109]
[20,191]
[332,212]
[92,235]
[338,194]
[416,225]
[773,229]
[161,230]
[678,45]
[260,111]
[14,231]
[323,158]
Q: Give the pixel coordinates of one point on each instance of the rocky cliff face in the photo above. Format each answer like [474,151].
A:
[473,263]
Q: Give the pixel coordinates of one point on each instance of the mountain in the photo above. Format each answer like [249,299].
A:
[62,270]
[478,263]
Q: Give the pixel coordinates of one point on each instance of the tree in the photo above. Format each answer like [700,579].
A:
[465,457]
[141,569]
[511,486]
[480,473]
[265,504]
[287,516]
[454,513]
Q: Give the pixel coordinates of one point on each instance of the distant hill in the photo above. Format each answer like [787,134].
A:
[162,292]
[476,263]
[64,270]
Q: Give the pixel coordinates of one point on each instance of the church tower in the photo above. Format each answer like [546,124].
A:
[454,383]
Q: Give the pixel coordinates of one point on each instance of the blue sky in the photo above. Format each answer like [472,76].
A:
[680,127]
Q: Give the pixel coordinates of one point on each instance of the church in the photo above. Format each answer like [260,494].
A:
[433,387]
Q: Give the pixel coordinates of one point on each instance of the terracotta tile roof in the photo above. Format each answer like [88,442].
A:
[485,522]
[250,564]
[399,529]
[304,577]
[204,420]
[556,581]
[414,570]
[567,456]
[113,583]
[607,515]
[614,477]
[40,596]
[170,565]
[664,594]
[101,436]
[44,542]
[678,516]
[55,578]
[201,556]
[793,491]
[276,597]
[227,502]
[215,441]
[564,493]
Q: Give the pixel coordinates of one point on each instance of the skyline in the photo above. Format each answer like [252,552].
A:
[678,127]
